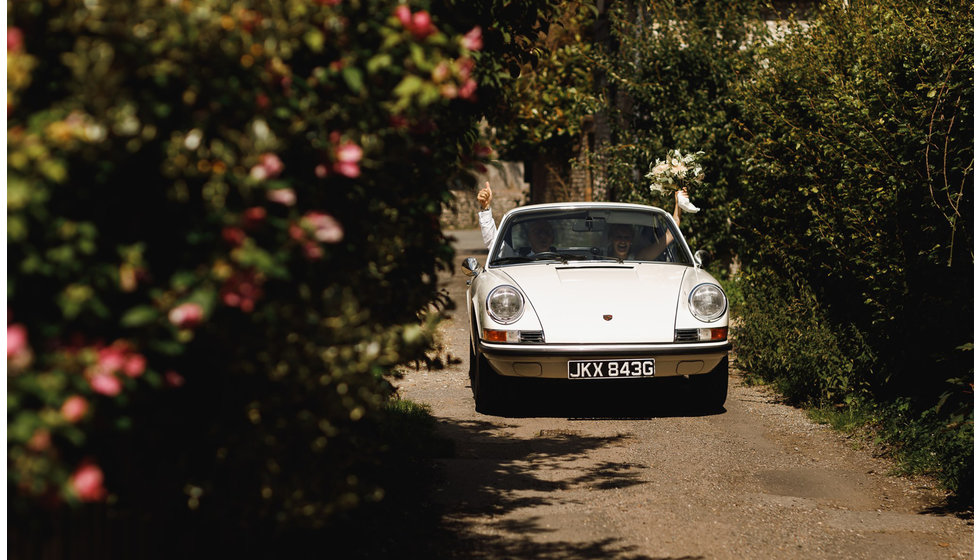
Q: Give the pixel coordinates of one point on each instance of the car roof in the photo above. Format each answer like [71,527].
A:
[531,208]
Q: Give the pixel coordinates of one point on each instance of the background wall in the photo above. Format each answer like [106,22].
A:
[509,191]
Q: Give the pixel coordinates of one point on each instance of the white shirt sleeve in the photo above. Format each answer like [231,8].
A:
[487,226]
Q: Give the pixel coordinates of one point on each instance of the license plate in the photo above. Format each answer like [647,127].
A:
[610,369]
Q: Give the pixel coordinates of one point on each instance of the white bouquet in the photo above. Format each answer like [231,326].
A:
[677,172]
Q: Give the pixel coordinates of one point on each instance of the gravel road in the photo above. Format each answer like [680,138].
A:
[601,473]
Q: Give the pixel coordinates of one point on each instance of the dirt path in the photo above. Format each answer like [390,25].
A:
[591,474]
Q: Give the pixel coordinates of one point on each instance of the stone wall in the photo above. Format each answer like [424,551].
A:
[509,191]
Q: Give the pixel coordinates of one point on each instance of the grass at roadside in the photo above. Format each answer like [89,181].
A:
[785,339]
[939,446]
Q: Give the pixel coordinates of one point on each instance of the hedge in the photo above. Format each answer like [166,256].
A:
[223,238]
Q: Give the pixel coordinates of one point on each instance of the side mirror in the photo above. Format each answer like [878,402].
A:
[700,258]
[470,265]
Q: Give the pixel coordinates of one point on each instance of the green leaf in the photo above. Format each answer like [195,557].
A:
[354,78]
[54,170]
[378,62]
[167,347]
[314,40]
[139,316]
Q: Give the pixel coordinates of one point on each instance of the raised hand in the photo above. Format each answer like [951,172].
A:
[484,196]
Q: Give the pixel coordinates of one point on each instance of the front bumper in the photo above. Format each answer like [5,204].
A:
[551,360]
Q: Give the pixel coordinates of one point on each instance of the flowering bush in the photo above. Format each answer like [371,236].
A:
[222,237]
[676,172]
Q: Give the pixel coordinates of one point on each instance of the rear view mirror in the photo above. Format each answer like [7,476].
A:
[589,224]
[700,258]
[470,265]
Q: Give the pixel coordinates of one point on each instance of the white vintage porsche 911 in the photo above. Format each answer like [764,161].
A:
[593,293]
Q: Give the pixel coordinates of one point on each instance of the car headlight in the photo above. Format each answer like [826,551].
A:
[505,304]
[708,302]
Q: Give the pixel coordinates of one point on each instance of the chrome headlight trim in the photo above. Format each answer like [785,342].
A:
[707,302]
[505,304]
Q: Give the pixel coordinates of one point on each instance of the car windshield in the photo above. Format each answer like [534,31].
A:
[589,234]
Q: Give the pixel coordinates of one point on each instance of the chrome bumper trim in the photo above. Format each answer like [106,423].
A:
[687,349]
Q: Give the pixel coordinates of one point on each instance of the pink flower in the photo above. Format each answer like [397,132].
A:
[351,170]
[269,166]
[173,379]
[465,66]
[402,12]
[16,340]
[135,365]
[74,408]
[40,440]
[106,384]
[468,90]
[231,299]
[286,197]
[113,358]
[272,164]
[474,39]
[421,25]
[87,482]
[233,236]
[242,290]
[312,251]
[349,152]
[253,216]
[347,156]
[186,315]
[321,171]
[418,24]
[326,228]
[15,39]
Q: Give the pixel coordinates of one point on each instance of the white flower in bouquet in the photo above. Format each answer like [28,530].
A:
[675,172]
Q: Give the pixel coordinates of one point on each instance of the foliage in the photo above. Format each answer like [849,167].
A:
[782,335]
[545,110]
[934,442]
[858,181]
[857,201]
[222,237]
[673,88]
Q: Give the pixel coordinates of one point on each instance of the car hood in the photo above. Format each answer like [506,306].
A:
[634,303]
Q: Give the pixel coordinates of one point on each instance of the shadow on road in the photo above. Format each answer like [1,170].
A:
[441,511]
[495,479]
[627,399]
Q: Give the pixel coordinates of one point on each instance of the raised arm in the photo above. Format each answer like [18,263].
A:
[652,252]
[488,229]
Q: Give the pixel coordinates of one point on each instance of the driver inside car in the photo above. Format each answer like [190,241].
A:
[540,236]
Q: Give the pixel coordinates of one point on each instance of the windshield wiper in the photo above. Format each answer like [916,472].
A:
[551,256]
[563,258]
[511,260]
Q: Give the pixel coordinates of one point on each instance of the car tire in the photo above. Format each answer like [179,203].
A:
[472,372]
[711,389]
[488,386]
